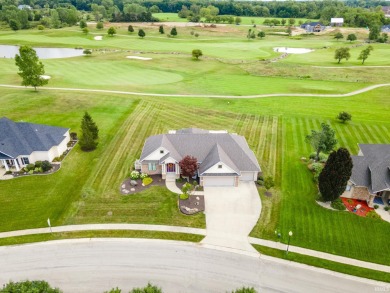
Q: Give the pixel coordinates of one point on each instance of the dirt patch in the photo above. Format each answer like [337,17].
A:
[193,205]
[126,188]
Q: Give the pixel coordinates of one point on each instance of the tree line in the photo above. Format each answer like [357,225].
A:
[67,12]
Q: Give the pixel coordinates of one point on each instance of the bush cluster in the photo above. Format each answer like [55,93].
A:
[323,157]
[38,167]
[373,215]
[337,204]
[146,181]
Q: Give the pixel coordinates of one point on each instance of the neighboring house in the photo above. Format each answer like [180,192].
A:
[385,29]
[23,143]
[370,180]
[336,21]
[386,10]
[224,159]
[313,27]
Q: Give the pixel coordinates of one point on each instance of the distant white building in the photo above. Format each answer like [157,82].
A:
[23,6]
[336,21]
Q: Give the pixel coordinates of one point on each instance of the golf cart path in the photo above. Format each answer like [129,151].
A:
[197,231]
[353,93]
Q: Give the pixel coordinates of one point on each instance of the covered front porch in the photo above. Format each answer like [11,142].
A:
[11,164]
[170,170]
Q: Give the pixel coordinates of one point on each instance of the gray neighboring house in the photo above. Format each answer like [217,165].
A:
[385,28]
[313,27]
[22,143]
[370,180]
[337,21]
[224,159]
[23,6]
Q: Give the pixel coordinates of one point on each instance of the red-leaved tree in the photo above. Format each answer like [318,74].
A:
[188,166]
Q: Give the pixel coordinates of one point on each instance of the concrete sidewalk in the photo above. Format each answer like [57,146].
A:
[197,231]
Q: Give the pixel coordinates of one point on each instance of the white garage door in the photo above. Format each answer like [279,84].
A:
[218,181]
[248,176]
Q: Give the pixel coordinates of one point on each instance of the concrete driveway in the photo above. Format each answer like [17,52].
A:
[231,213]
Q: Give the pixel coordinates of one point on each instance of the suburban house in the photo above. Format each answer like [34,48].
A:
[336,21]
[313,27]
[386,10]
[385,28]
[22,143]
[23,6]
[370,180]
[224,159]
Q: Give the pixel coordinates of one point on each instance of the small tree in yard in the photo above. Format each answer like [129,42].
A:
[83,23]
[87,52]
[161,29]
[85,30]
[344,117]
[30,68]
[141,33]
[338,36]
[342,53]
[173,32]
[335,175]
[261,34]
[99,25]
[351,37]
[130,29]
[323,140]
[269,182]
[89,133]
[188,166]
[111,31]
[365,53]
[196,53]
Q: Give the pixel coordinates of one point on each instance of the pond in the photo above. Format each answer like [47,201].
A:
[8,51]
[292,50]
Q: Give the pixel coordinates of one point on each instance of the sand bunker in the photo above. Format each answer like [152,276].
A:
[45,76]
[292,50]
[138,58]
[98,38]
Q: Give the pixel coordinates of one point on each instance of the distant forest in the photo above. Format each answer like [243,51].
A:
[58,13]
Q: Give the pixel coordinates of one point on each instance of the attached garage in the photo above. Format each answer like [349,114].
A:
[248,176]
[219,180]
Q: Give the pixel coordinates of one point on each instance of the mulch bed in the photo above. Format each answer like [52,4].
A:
[126,187]
[55,168]
[362,212]
[193,205]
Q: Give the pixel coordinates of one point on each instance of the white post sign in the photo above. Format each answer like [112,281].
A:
[48,222]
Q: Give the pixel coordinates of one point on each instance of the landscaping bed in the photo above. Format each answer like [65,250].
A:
[127,188]
[192,205]
[351,203]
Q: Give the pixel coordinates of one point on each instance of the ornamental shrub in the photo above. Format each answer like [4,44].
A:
[146,181]
[338,205]
[134,175]
[30,167]
[373,215]
[387,208]
[184,196]
[46,166]
[143,175]
[323,157]
[376,206]
[38,164]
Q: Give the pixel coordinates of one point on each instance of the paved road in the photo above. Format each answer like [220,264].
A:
[99,264]
[230,220]
[353,93]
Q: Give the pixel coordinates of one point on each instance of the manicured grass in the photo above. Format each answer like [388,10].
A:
[325,264]
[100,234]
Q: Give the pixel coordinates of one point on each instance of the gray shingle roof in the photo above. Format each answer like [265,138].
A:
[372,169]
[216,155]
[232,149]
[22,138]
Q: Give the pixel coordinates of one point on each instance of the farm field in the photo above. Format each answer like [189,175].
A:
[87,187]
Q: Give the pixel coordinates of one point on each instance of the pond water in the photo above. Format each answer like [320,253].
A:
[292,50]
[7,51]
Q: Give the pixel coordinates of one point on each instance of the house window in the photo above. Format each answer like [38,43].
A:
[161,151]
[348,188]
[219,166]
[152,166]
[25,161]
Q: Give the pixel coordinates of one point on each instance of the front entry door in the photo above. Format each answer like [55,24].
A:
[171,168]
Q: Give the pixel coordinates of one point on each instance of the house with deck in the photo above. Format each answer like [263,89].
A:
[313,27]
[23,143]
[370,180]
[224,159]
